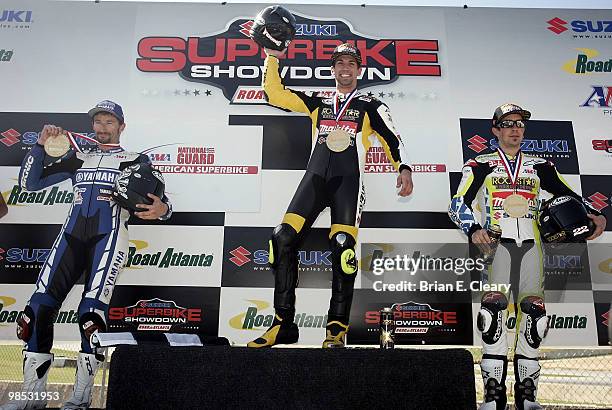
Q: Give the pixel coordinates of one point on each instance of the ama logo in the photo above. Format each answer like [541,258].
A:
[599,97]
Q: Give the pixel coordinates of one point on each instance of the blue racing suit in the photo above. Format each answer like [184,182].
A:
[93,240]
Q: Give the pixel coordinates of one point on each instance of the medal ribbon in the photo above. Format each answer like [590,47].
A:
[512,171]
[73,142]
[339,110]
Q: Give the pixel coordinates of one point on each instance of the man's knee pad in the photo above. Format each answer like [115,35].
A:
[534,323]
[343,253]
[35,326]
[25,324]
[282,241]
[89,323]
[490,319]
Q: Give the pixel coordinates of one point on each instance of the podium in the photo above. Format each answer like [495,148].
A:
[211,377]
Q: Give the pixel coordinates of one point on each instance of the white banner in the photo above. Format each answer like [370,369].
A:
[246,313]
[158,256]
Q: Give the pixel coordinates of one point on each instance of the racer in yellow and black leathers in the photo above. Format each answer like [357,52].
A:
[491,179]
[333,178]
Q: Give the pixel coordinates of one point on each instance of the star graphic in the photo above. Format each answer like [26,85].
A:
[177,92]
[187,92]
[208,92]
[381,94]
[401,94]
[196,92]
[370,94]
[391,94]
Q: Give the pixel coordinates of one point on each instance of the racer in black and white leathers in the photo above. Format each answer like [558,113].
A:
[518,260]
[93,241]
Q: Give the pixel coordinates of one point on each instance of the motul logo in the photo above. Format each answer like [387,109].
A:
[10,137]
[477,143]
[557,25]
[599,201]
[239,256]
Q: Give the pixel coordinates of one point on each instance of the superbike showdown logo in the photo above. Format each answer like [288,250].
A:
[233,62]
[416,318]
[581,29]
[155,314]
[604,145]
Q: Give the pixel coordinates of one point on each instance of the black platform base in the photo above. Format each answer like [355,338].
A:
[211,377]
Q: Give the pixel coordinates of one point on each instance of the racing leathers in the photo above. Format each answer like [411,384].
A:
[93,240]
[518,261]
[333,178]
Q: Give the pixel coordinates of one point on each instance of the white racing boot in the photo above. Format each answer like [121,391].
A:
[34,390]
[87,366]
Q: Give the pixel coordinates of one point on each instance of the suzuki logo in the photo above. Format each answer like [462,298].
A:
[239,256]
[599,201]
[557,25]
[477,143]
[10,137]
[606,318]
[1,252]
[245,28]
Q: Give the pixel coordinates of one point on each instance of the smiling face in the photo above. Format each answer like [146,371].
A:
[346,71]
[510,138]
[107,128]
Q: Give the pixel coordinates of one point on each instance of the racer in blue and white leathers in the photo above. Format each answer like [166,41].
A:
[92,242]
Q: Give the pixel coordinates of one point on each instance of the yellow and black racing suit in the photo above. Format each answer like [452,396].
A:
[333,179]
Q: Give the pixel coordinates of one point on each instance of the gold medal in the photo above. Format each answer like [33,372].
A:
[57,146]
[338,140]
[516,206]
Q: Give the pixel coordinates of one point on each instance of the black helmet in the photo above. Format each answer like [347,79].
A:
[274,27]
[564,219]
[346,49]
[134,183]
